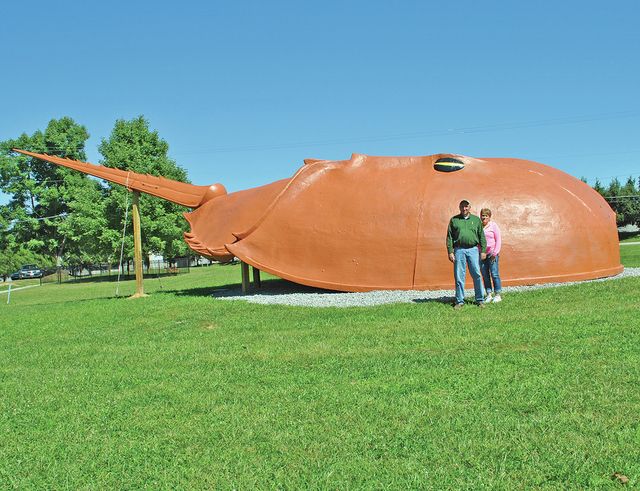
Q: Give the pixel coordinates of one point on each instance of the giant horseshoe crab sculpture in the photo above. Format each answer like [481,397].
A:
[373,223]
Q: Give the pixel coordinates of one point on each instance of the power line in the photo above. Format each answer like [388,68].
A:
[416,134]
[425,134]
[620,197]
[619,175]
[31,218]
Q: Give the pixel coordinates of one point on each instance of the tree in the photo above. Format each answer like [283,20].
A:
[133,146]
[614,188]
[623,199]
[629,188]
[628,203]
[86,228]
[44,197]
[599,187]
[14,254]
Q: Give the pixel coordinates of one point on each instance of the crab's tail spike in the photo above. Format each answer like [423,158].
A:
[178,192]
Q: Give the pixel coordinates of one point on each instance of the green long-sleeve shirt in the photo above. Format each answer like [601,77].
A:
[466,233]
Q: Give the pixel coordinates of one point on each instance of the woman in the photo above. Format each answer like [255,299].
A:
[489,266]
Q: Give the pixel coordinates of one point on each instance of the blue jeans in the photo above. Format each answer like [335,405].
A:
[470,256]
[490,273]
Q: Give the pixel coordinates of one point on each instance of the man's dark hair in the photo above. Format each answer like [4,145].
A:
[464,202]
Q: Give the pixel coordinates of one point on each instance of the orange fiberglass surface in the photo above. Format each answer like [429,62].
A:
[379,223]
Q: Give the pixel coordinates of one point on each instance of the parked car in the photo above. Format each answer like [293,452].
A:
[15,276]
[29,271]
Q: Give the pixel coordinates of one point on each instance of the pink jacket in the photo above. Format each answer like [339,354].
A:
[494,238]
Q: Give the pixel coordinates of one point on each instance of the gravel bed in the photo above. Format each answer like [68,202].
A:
[281,292]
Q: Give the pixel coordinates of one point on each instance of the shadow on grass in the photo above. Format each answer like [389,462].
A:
[269,287]
[111,278]
[74,301]
[628,235]
[446,299]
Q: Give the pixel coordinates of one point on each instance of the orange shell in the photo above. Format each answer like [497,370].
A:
[372,223]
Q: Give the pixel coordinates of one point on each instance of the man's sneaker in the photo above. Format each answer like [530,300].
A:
[497,298]
[481,305]
[488,298]
[458,306]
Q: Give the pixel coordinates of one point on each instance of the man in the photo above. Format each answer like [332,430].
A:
[466,244]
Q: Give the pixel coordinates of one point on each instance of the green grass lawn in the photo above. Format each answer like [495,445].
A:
[183,391]
[630,255]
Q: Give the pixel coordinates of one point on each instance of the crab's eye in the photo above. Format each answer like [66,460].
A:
[448,164]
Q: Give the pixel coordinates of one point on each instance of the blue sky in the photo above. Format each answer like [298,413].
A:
[244,91]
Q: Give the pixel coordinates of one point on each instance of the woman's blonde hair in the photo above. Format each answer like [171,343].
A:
[485,211]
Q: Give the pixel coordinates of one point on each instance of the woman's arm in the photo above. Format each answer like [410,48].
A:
[498,236]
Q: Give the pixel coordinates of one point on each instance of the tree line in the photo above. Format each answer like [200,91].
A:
[56,215]
[624,199]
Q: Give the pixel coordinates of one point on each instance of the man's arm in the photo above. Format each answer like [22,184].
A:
[450,241]
[482,238]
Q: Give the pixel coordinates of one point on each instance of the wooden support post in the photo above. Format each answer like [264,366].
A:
[245,277]
[256,277]
[137,245]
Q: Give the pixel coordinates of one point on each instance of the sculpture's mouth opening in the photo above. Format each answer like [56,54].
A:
[448,164]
